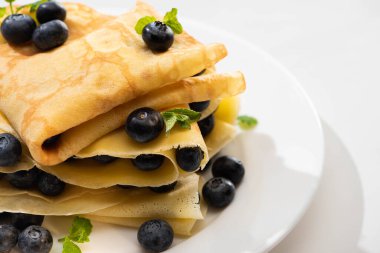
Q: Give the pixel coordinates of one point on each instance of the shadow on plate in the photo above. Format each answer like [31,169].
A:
[334,220]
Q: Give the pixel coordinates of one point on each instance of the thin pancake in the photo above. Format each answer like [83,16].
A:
[180,226]
[182,202]
[61,89]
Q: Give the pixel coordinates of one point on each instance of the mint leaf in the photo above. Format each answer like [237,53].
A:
[32,6]
[170,119]
[70,247]
[193,115]
[3,11]
[80,230]
[183,117]
[170,19]
[143,22]
[247,122]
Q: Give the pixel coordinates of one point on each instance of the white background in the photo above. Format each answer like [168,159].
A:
[333,48]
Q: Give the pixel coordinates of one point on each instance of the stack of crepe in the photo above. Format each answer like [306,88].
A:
[81,95]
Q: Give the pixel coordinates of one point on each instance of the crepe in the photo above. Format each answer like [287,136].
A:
[90,174]
[47,94]
[180,226]
[81,20]
[182,202]
[26,162]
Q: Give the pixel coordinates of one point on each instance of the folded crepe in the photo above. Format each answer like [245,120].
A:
[47,94]
[91,174]
[182,203]
[183,227]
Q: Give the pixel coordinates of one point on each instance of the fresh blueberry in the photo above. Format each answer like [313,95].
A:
[155,235]
[50,35]
[10,150]
[218,192]
[164,188]
[104,159]
[158,36]
[189,158]
[50,11]
[51,142]
[230,168]
[148,162]
[35,239]
[23,179]
[206,125]
[200,73]
[18,28]
[50,185]
[8,238]
[23,220]
[144,124]
[199,106]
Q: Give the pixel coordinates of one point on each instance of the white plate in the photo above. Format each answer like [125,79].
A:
[283,157]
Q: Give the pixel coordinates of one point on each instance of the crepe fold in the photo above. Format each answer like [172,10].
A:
[91,174]
[47,94]
[182,202]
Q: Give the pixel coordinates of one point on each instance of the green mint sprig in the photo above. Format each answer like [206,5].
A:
[247,122]
[170,19]
[180,116]
[32,6]
[80,231]
[10,5]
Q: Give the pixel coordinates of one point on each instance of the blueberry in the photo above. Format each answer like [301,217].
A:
[10,150]
[50,11]
[200,73]
[104,159]
[23,220]
[230,168]
[189,158]
[206,125]
[158,36]
[50,35]
[164,188]
[23,179]
[148,162]
[35,239]
[18,28]
[144,124]
[155,235]
[199,106]
[50,185]
[8,238]
[51,142]
[218,192]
